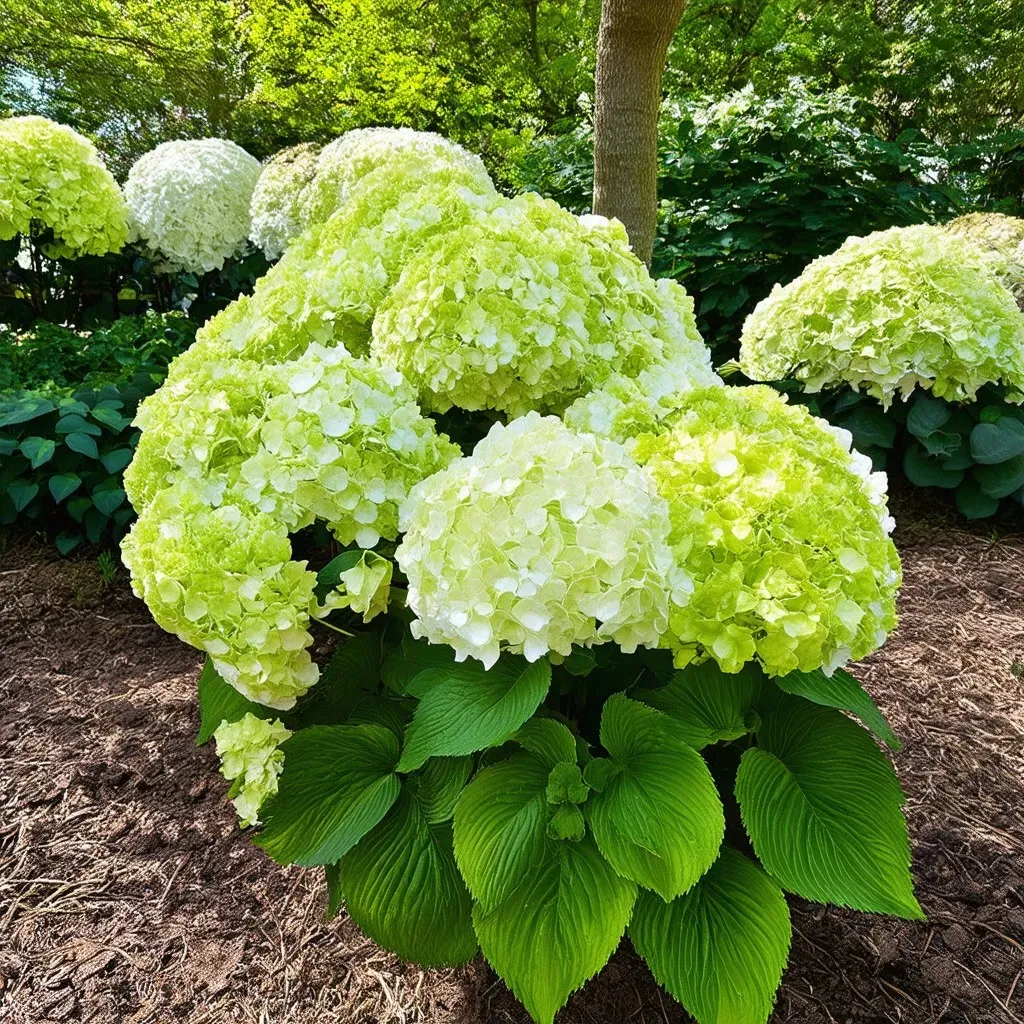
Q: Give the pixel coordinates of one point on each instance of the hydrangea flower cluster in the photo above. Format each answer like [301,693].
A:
[189,200]
[275,210]
[782,529]
[250,759]
[541,539]
[53,178]
[352,156]
[898,309]
[1001,239]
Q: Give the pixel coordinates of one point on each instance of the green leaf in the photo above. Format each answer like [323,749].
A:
[220,702]
[822,807]
[927,415]
[108,499]
[550,741]
[923,470]
[338,783]
[1002,480]
[708,704]
[464,708]
[116,460]
[62,485]
[75,424]
[110,418]
[403,889]
[405,662]
[335,892]
[330,575]
[870,428]
[997,442]
[559,928]
[21,492]
[83,444]
[439,784]
[842,691]
[973,503]
[500,822]
[38,450]
[23,409]
[350,675]
[657,819]
[67,542]
[721,948]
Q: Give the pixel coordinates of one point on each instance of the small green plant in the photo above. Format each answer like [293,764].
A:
[108,565]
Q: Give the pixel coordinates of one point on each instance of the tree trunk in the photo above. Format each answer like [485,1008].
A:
[631,47]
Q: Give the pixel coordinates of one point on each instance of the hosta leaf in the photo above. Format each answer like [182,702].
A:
[38,450]
[500,822]
[338,782]
[657,817]
[708,704]
[405,662]
[559,928]
[83,444]
[927,415]
[108,499]
[924,470]
[721,948]
[403,889]
[116,459]
[62,485]
[822,807]
[973,503]
[1003,479]
[465,708]
[220,702]
[74,423]
[21,492]
[350,674]
[840,690]
[439,783]
[997,442]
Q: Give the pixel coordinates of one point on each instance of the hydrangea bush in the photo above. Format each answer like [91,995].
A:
[53,184]
[275,208]
[576,677]
[188,202]
[1001,239]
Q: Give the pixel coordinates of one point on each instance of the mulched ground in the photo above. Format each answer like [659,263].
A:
[128,895]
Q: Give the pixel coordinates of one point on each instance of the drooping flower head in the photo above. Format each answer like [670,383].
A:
[898,309]
[782,529]
[250,758]
[274,211]
[188,202]
[1001,239]
[52,178]
[541,539]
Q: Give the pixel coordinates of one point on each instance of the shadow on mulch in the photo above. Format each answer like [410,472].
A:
[128,895]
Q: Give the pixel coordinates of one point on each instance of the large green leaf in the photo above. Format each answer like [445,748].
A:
[822,807]
[330,575]
[721,948]
[406,661]
[924,470]
[82,443]
[438,785]
[997,442]
[500,822]
[465,708]
[548,740]
[1002,479]
[62,485]
[21,492]
[708,704]
[38,450]
[655,814]
[351,673]
[24,408]
[338,782]
[220,702]
[559,928]
[840,690]
[403,889]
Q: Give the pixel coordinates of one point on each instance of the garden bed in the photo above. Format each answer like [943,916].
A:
[128,894]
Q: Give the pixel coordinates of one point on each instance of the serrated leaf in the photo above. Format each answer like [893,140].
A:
[559,928]
[550,741]
[465,708]
[842,691]
[822,807]
[657,819]
[1001,441]
[38,450]
[870,427]
[439,784]
[220,702]
[338,782]
[500,820]
[721,948]
[403,889]
[63,485]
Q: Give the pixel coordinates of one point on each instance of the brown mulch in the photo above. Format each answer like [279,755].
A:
[127,894]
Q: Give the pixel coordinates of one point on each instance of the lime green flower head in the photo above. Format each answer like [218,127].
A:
[898,309]
[274,211]
[1001,240]
[541,539]
[250,758]
[222,579]
[782,528]
[365,588]
[53,178]
[358,152]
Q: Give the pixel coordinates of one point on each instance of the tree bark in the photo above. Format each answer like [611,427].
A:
[631,47]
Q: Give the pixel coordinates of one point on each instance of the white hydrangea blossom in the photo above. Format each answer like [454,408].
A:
[541,539]
[251,760]
[188,202]
[274,211]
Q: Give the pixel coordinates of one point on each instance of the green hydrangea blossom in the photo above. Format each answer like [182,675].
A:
[275,211]
[250,758]
[899,309]
[541,539]
[782,529]
[357,153]
[1001,239]
[365,588]
[525,307]
[53,178]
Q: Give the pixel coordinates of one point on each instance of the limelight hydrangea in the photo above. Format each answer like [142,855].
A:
[188,202]
[1001,239]
[274,211]
[525,307]
[898,309]
[541,539]
[250,758]
[53,178]
[222,579]
[365,588]
[782,529]
[355,154]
